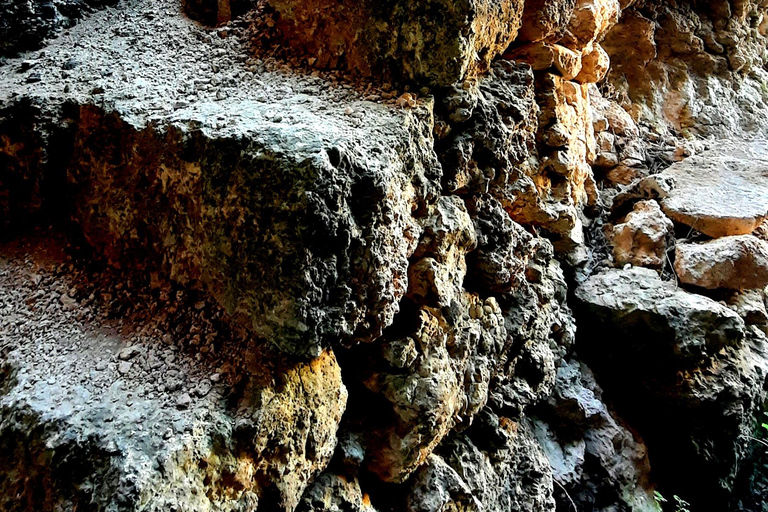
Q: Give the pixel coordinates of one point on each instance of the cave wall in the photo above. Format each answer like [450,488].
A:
[453,208]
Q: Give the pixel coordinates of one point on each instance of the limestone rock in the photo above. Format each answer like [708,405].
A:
[77,432]
[435,42]
[545,19]
[593,455]
[707,50]
[552,193]
[642,238]
[657,320]
[595,64]
[750,305]
[736,262]
[331,492]
[496,123]
[591,20]
[543,56]
[433,378]
[678,404]
[505,471]
[720,192]
[504,248]
[286,183]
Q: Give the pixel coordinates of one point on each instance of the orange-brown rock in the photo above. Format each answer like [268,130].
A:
[544,56]
[595,63]
[720,192]
[545,19]
[591,20]
[438,43]
[641,240]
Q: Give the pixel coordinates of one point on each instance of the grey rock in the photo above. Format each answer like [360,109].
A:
[599,462]
[655,318]
[720,192]
[466,475]
[681,369]
[341,224]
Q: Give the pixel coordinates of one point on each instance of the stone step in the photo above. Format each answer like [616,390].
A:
[720,192]
[288,197]
[113,397]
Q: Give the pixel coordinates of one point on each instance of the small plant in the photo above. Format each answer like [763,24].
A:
[680,504]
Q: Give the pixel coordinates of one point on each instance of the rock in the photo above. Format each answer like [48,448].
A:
[337,269]
[706,392]
[470,475]
[750,305]
[334,493]
[543,56]
[545,19]
[591,20]
[735,262]
[595,64]
[705,49]
[551,193]
[655,320]
[437,50]
[720,192]
[25,25]
[183,402]
[445,384]
[498,126]
[642,238]
[113,440]
[129,353]
[593,455]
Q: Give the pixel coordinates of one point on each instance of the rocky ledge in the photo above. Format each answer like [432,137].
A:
[415,256]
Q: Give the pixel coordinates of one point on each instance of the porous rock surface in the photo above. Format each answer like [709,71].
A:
[683,369]
[382,256]
[721,192]
[735,262]
[104,404]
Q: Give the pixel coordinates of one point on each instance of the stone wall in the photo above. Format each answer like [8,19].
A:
[465,273]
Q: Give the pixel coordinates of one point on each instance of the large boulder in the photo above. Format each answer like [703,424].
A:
[735,262]
[683,370]
[258,187]
[596,459]
[113,399]
[655,319]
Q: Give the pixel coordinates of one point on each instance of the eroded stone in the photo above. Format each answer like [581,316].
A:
[736,262]
[720,192]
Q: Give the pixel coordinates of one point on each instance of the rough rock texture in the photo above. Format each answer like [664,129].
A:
[736,262]
[691,67]
[637,302]
[215,173]
[437,42]
[643,237]
[506,472]
[105,402]
[595,458]
[682,369]
[721,192]
[24,25]
[410,222]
